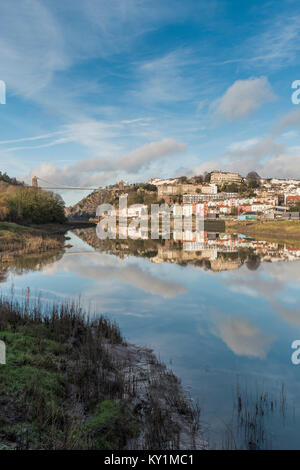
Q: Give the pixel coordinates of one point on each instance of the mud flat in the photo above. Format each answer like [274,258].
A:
[285,231]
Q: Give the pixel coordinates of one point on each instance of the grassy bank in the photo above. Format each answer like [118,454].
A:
[9,230]
[284,231]
[17,240]
[71,382]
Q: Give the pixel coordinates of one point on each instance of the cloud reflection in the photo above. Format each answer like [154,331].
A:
[241,337]
[98,266]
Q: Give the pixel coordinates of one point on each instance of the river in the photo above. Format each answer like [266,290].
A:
[222,311]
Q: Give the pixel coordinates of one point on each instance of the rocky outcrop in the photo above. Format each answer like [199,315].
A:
[86,208]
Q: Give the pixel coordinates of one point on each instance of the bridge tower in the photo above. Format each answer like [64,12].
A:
[35,182]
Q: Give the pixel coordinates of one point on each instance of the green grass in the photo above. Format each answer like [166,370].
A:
[17,241]
[65,384]
[110,425]
[10,229]
[280,231]
[31,386]
[60,387]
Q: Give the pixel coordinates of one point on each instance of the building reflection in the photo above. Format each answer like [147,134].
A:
[209,250]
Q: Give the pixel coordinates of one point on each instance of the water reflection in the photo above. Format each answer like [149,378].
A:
[34,262]
[219,306]
[210,250]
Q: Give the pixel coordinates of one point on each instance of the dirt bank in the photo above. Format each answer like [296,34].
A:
[284,231]
[17,240]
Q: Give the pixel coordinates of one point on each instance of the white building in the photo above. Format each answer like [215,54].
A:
[209,189]
[177,210]
[187,210]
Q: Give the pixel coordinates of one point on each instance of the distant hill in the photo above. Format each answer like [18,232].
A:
[86,208]
[141,193]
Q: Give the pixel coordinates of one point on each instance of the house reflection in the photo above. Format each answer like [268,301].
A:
[209,250]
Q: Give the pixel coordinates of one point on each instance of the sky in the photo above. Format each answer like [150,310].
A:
[103,90]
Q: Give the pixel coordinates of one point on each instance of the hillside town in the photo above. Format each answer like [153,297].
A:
[216,195]
[230,194]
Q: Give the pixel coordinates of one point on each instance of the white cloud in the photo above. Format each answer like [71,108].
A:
[278,45]
[259,149]
[39,38]
[164,79]
[242,145]
[31,47]
[291,119]
[243,338]
[243,97]
[101,267]
[96,136]
[283,165]
[200,169]
[266,155]
[35,42]
[30,139]
[99,169]
[133,161]
[271,283]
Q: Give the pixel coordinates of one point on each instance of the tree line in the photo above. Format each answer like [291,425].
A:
[23,204]
[7,179]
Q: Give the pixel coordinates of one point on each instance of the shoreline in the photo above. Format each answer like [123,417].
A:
[71,382]
[19,240]
[284,231]
[40,238]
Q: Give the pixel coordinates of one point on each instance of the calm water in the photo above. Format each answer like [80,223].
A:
[219,310]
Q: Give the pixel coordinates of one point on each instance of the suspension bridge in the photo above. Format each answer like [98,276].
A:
[37,179]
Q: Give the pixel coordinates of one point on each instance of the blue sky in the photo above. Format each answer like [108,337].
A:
[102,90]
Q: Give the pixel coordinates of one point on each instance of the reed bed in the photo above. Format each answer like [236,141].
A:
[72,382]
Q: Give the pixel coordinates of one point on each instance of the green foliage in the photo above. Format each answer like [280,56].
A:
[149,187]
[110,426]
[230,188]
[46,358]
[13,181]
[207,177]
[10,229]
[243,188]
[197,179]
[19,203]
[31,384]
[295,207]
[183,179]
[31,205]
[253,183]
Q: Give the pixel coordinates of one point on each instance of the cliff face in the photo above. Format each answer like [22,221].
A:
[86,208]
